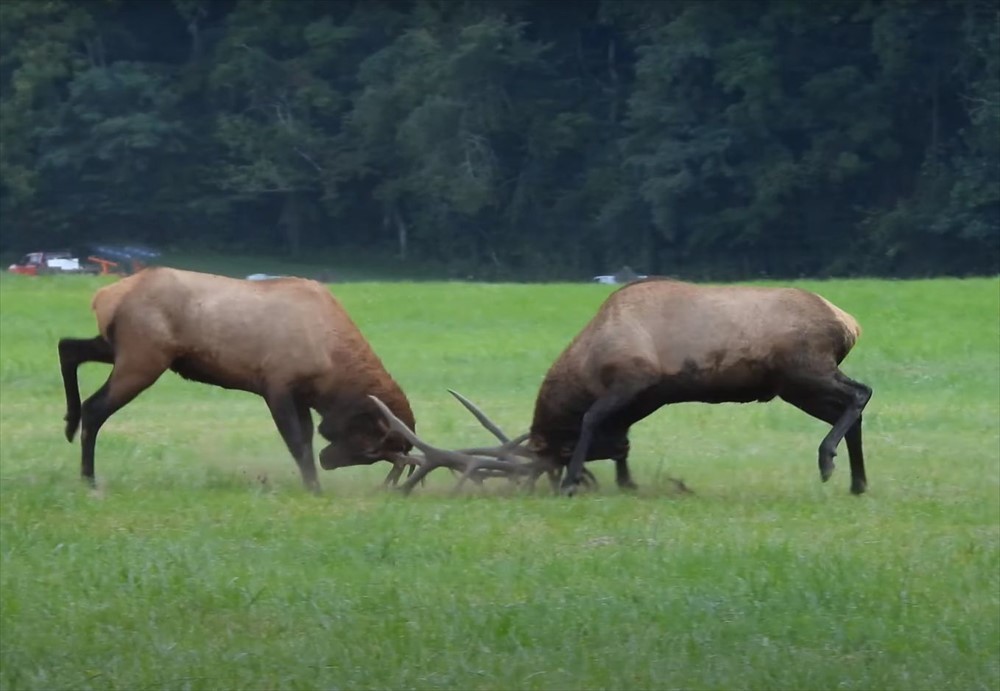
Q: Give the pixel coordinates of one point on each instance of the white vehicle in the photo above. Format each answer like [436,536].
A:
[624,275]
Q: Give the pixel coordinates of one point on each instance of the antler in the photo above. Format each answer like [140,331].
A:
[508,446]
[399,464]
[502,461]
[481,416]
[513,447]
[484,420]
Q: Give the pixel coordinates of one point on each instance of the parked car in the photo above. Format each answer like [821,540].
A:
[35,263]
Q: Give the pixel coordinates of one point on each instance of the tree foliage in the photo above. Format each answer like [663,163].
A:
[508,138]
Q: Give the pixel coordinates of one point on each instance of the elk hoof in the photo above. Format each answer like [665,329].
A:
[826,467]
[72,424]
[569,490]
[628,486]
[858,487]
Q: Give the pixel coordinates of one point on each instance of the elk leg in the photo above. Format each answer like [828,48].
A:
[623,477]
[857,395]
[306,461]
[287,419]
[861,395]
[555,475]
[587,478]
[838,401]
[598,412]
[127,380]
[73,352]
[552,474]
[859,482]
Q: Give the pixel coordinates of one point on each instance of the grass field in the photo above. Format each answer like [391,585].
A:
[200,563]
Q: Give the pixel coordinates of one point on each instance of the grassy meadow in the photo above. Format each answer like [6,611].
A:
[201,563]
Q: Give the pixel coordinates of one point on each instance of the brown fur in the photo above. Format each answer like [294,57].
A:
[288,340]
[659,341]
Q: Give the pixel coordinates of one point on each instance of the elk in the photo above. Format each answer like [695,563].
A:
[287,340]
[659,341]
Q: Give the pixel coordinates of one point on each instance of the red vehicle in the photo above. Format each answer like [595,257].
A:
[35,263]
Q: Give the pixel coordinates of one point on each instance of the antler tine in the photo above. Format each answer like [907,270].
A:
[505,450]
[399,463]
[509,445]
[481,416]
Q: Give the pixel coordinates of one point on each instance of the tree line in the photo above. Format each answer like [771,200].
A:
[704,138]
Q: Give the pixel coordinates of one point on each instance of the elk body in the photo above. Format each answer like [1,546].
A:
[658,341]
[287,340]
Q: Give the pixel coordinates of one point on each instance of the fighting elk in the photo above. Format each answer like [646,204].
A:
[657,341]
[287,340]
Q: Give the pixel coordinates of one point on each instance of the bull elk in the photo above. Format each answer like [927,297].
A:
[287,340]
[658,341]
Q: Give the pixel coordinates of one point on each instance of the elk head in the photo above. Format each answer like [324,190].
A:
[361,438]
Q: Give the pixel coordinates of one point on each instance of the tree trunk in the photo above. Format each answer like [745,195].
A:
[653,246]
[935,116]
[95,52]
[291,223]
[196,43]
[402,232]
[615,82]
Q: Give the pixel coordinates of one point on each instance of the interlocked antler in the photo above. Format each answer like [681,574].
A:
[485,421]
[509,460]
[554,472]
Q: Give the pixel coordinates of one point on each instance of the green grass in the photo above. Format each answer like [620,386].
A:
[201,563]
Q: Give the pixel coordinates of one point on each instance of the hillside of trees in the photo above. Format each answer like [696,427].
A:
[541,139]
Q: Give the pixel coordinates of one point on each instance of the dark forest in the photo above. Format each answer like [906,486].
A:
[711,139]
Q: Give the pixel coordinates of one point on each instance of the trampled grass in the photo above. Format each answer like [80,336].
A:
[200,562]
